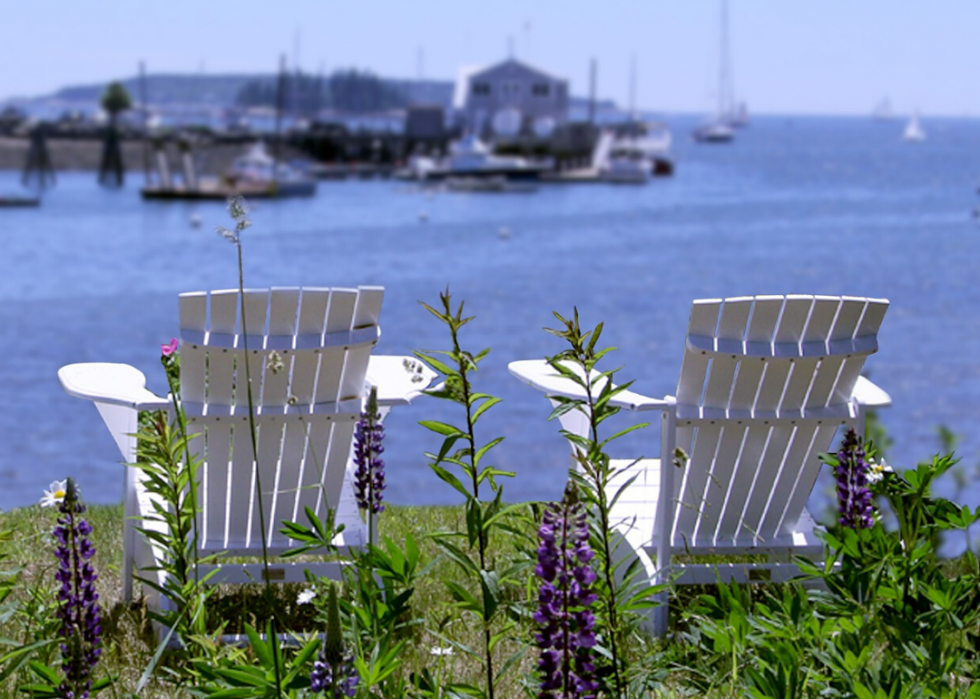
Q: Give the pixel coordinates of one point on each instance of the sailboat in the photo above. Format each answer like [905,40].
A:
[719,128]
[882,110]
[913,130]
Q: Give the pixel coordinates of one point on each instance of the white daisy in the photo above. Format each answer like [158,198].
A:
[305,597]
[55,495]
[877,470]
[440,651]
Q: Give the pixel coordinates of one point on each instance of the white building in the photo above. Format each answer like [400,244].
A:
[511,97]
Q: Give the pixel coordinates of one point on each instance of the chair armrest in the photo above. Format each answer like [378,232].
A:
[114,384]
[540,375]
[399,380]
[869,394]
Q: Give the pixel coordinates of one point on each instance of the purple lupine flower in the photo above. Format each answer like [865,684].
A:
[564,617]
[853,494]
[79,611]
[333,670]
[369,476]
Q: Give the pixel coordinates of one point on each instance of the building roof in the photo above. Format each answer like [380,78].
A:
[520,64]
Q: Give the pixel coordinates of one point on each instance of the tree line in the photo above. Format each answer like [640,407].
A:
[348,90]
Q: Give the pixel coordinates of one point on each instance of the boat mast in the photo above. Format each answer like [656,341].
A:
[725,72]
[280,97]
[146,127]
[633,87]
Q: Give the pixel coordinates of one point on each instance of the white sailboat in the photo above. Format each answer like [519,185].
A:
[913,130]
[719,128]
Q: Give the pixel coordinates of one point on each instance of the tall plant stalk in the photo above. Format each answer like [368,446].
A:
[482,518]
[578,363]
[238,208]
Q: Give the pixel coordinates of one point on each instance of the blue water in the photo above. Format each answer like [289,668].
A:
[801,205]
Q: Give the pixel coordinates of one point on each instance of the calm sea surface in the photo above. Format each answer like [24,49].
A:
[796,205]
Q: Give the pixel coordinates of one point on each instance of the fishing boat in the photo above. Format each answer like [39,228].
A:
[913,130]
[470,157]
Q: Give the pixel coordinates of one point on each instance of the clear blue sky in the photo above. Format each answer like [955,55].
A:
[789,56]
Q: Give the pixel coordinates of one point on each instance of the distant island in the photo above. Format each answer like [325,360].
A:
[348,89]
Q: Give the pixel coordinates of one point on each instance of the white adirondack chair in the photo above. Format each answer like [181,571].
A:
[305,417]
[765,383]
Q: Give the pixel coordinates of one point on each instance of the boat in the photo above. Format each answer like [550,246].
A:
[16,200]
[714,131]
[470,157]
[627,164]
[720,128]
[882,110]
[913,130]
[490,185]
[256,168]
[655,140]
[739,116]
[254,175]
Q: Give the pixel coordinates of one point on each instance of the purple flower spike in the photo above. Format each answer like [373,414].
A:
[369,476]
[853,495]
[334,673]
[566,623]
[79,611]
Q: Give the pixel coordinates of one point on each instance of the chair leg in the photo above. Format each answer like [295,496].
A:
[130,512]
[661,614]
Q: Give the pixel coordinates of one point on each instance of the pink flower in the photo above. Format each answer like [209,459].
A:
[169,348]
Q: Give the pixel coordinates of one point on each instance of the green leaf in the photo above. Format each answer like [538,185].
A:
[450,478]
[485,406]
[442,428]
[464,598]
[485,448]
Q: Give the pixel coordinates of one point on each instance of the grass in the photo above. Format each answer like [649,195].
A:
[129,644]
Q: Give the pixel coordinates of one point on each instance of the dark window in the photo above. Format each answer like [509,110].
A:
[481,88]
[541,89]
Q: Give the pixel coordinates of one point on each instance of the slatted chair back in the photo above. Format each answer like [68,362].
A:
[765,382]
[307,355]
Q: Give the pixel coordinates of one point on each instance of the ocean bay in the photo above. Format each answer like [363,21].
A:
[797,205]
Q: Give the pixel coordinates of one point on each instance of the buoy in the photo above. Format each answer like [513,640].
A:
[504,232]
[423,217]
[195,220]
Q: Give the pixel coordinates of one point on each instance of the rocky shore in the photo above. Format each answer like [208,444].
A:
[85,154]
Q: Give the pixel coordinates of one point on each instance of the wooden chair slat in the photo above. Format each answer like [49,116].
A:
[743,481]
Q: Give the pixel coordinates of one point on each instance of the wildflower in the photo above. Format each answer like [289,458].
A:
[55,494]
[274,362]
[305,597]
[566,623]
[877,470]
[853,495]
[169,348]
[238,208]
[439,652]
[369,476]
[79,610]
[333,670]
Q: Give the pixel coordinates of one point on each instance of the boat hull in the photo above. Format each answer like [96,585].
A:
[275,190]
